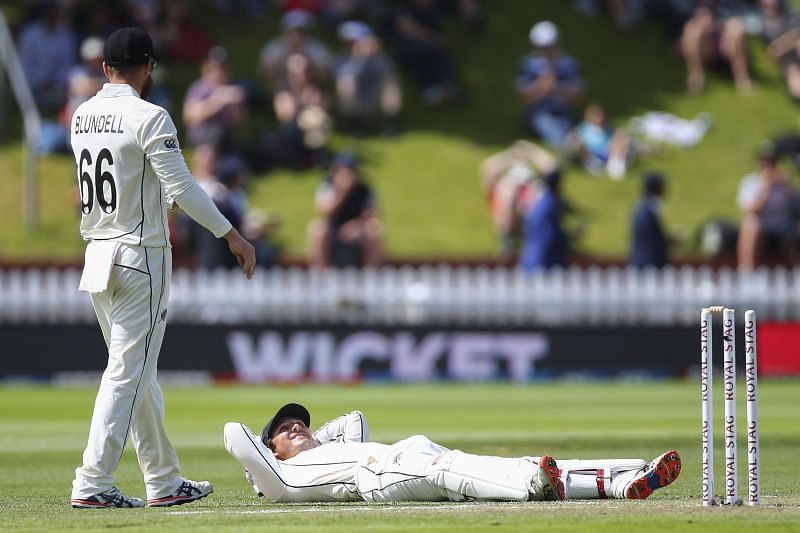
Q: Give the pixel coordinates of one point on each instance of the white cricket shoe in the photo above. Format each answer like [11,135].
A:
[659,473]
[188,492]
[546,484]
[111,498]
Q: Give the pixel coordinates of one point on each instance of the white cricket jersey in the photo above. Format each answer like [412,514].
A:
[333,463]
[329,471]
[129,163]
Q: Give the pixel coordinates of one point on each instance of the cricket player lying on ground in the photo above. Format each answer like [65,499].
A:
[338,463]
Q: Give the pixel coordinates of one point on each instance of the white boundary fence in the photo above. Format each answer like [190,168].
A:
[425,295]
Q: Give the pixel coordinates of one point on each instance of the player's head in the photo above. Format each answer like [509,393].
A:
[296,23]
[287,433]
[345,159]
[344,164]
[544,36]
[128,56]
[216,65]
[653,184]
[767,154]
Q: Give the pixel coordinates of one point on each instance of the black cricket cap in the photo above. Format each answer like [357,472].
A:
[290,410]
[128,47]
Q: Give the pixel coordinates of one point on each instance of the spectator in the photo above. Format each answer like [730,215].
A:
[298,144]
[211,253]
[145,14]
[274,58]
[471,11]
[510,184]
[83,82]
[549,85]
[259,229]
[336,12]
[649,242]
[298,92]
[781,32]
[671,15]
[417,44]
[545,243]
[716,33]
[182,38]
[214,107]
[601,147]
[48,50]
[626,14]
[788,144]
[765,199]
[348,232]
[85,79]
[367,88]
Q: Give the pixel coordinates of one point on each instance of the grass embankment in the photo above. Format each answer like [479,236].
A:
[427,177]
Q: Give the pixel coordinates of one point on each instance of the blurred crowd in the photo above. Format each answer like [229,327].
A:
[532,218]
[310,89]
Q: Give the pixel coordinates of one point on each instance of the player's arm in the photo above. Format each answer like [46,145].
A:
[160,141]
[351,427]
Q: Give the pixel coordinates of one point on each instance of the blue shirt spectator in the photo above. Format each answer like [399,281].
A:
[549,84]
[649,243]
[48,50]
[545,243]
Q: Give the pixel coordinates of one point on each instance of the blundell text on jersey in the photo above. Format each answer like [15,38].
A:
[98,124]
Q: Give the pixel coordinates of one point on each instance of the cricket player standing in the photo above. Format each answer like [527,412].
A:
[130,168]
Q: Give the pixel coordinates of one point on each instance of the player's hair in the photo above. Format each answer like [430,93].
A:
[270,444]
[125,70]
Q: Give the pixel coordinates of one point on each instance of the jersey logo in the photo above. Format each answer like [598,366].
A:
[171,144]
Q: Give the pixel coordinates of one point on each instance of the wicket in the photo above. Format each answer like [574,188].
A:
[729,395]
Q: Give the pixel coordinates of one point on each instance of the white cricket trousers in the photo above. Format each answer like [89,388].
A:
[417,469]
[132,315]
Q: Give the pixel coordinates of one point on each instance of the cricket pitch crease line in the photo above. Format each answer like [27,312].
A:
[461,506]
[327,509]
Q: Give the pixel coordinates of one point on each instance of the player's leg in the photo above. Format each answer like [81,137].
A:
[733,46]
[747,245]
[482,477]
[661,471]
[417,469]
[592,479]
[404,474]
[157,458]
[123,311]
[618,478]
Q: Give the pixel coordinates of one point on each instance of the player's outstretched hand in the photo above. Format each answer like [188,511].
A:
[243,250]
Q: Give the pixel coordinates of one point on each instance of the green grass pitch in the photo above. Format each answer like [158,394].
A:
[43,431]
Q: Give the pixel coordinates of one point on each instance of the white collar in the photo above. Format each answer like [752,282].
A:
[117,89]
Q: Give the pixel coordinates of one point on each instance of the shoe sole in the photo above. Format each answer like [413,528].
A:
[179,500]
[550,468]
[666,470]
[85,504]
